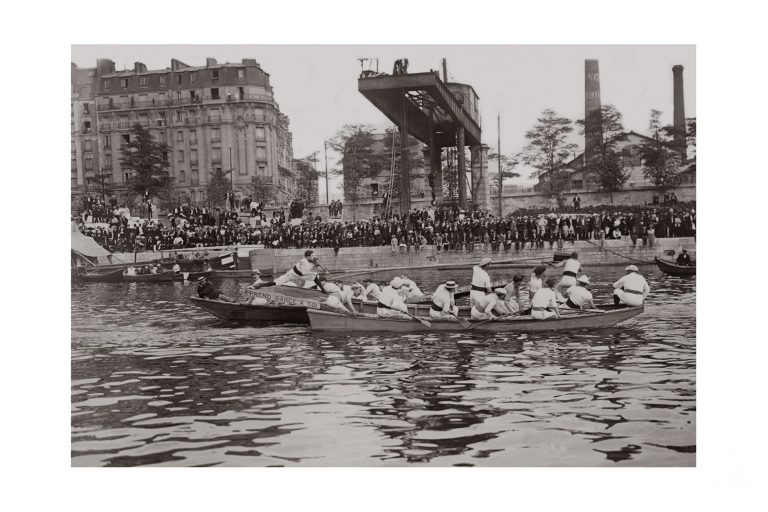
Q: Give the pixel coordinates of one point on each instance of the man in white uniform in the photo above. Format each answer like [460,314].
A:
[413,293]
[358,292]
[304,270]
[391,298]
[339,296]
[483,307]
[579,296]
[443,302]
[372,290]
[631,289]
[544,303]
[571,267]
[481,281]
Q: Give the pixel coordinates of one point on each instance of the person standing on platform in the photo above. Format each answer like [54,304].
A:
[631,289]
[444,302]
[481,281]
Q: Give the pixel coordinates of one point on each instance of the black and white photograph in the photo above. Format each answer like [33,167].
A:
[383,255]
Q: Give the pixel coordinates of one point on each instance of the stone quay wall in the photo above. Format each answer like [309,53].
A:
[349,259]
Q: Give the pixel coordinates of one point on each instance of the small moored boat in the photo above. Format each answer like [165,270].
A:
[249,314]
[100,276]
[672,268]
[326,321]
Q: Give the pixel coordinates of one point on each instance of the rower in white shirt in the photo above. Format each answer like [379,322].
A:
[413,293]
[339,296]
[579,296]
[481,281]
[571,267]
[509,296]
[303,271]
[536,282]
[544,303]
[372,290]
[443,302]
[631,289]
[392,305]
[484,306]
[358,292]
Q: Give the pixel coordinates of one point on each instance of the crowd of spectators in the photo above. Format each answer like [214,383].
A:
[447,229]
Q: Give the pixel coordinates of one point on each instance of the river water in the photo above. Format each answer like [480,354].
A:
[158,382]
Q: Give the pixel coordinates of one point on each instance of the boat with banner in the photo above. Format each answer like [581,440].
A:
[609,315]
[672,268]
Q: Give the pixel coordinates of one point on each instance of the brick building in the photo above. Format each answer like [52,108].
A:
[217,116]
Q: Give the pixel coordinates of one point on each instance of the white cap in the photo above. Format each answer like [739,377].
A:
[631,268]
[396,283]
[583,279]
[485,261]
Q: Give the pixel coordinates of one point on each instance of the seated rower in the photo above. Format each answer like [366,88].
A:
[258,281]
[130,271]
[153,269]
[544,303]
[631,289]
[414,293]
[579,296]
[510,298]
[684,259]
[176,268]
[372,290]
[358,292]
[536,282]
[391,304]
[444,302]
[483,307]
[304,270]
[481,281]
[205,290]
[339,296]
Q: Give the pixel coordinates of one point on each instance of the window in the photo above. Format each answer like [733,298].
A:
[107,142]
[87,127]
[142,81]
[195,178]
[215,135]
[144,120]
[85,91]
[193,137]
[193,77]
[74,164]
[161,119]
[127,176]
[215,93]
[108,163]
[192,96]
[214,74]
[577,184]
[162,138]
[124,83]
[182,176]
[260,133]
[73,147]
[143,99]
[193,156]
[241,93]
[216,155]
[126,138]
[179,115]
[262,170]
[86,109]
[166,157]
[87,146]
[162,80]
[178,78]
[261,153]
[88,163]
[105,83]
[240,74]
[181,155]
[179,136]
[178,95]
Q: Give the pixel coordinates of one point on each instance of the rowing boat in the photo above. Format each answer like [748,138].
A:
[190,276]
[256,313]
[327,321]
[149,278]
[674,269]
[100,276]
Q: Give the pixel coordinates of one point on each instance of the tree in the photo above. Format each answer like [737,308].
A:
[306,178]
[260,188]
[217,189]
[661,161]
[355,144]
[147,159]
[508,164]
[605,168]
[547,151]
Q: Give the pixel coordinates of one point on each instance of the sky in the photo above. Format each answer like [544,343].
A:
[316,85]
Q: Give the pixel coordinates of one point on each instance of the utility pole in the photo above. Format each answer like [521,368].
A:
[231,176]
[327,196]
[501,176]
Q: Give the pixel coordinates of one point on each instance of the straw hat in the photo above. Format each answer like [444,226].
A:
[256,272]
[583,279]
[451,285]
[485,261]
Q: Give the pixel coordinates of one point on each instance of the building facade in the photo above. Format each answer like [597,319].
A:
[213,117]
[85,154]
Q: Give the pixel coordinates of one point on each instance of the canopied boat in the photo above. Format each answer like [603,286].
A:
[672,268]
[327,321]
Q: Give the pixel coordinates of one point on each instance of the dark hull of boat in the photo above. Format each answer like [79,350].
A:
[252,314]
[326,321]
[110,276]
[163,277]
[673,269]
[191,276]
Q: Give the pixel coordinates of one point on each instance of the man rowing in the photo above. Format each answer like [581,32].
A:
[481,281]
[339,296]
[579,296]
[571,267]
[684,259]
[484,306]
[372,289]
[391,304]
[444,302]
[631,289]
[358,292]
[305,270]
[509,296]
[544,303]
[413,292]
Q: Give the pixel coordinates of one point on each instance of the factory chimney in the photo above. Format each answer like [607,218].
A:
[679,111]
[592,118]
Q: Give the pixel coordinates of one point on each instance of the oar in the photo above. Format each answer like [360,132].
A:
[422,321]
[472,326]
[462,321]
[562,310]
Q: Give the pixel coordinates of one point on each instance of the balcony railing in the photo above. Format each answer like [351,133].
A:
[133,104]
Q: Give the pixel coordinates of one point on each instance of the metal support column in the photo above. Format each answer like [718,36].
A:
[405,171]
[462,171]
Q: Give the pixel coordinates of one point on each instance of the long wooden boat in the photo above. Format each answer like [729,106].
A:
[149,278]
[252,314]
[327,321]
[674,269]
[227,261]
[100,276]
[191,276]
